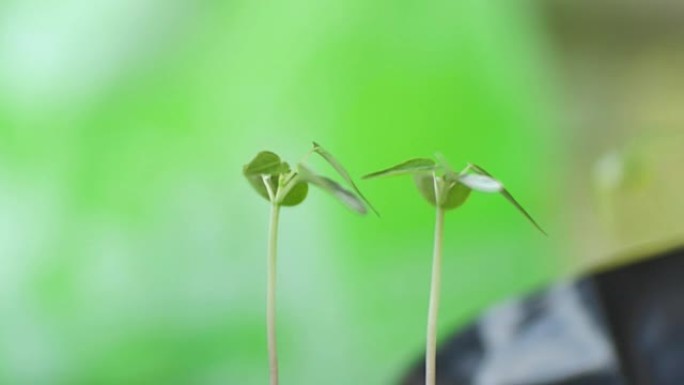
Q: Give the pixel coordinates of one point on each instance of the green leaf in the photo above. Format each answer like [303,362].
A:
[455,193]
[343,173]
[284,168]
[412,166]
[257,182]
[296,195]
[265,163]
[345,196]
[481,183]
[426,186]
[264,168]
[456,196]
[510,198]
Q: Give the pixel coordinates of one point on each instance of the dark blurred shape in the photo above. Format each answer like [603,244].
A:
[644,306]
[622,326]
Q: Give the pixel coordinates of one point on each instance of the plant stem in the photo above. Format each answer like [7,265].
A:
[271,294]
[431,344]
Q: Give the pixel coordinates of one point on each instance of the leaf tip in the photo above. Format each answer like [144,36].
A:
[376,212]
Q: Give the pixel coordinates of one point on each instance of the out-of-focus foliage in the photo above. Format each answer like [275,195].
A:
[131,248]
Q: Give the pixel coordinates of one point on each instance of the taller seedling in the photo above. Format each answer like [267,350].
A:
[446,190]
[276,182]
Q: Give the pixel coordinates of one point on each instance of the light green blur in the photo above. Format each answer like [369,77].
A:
[132,250]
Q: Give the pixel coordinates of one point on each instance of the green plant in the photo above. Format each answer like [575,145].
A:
[446,190]
[275,181]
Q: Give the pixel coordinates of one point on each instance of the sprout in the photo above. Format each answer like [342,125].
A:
[446,190]
[275,181]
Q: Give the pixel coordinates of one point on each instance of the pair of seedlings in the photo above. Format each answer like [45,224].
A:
[437,182]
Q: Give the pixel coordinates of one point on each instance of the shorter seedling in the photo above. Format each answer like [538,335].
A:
[276,182]
[446,190]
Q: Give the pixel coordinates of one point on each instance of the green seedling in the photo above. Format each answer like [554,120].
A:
[446,190]
[281,185]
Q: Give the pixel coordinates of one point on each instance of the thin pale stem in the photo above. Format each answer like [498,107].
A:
[271,193]
[271,295]
[431,343]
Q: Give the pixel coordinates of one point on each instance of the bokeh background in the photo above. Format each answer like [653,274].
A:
[132,250]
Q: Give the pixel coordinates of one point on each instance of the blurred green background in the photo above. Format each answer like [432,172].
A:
[132,250]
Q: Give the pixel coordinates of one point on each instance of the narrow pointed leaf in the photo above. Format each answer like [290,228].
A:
[510,198]
[296,195]
[343,173]
[481,183]
[265,163]
[345,196]
[413,166]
